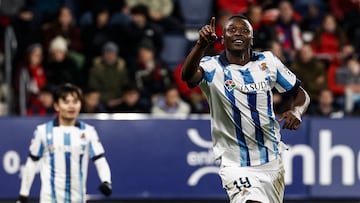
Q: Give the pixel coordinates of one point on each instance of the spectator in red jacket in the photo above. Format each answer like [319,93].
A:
[328,39]
[194,96]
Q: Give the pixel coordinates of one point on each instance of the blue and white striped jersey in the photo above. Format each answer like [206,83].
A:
[243,125]
[64,152]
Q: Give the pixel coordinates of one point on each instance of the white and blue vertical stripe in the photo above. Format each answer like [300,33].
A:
[244,127]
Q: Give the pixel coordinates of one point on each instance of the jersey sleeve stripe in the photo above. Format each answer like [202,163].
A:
[283,81]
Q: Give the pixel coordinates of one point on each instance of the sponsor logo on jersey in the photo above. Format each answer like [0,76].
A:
[254,87]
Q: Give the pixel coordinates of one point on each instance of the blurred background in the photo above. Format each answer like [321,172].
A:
[127,55]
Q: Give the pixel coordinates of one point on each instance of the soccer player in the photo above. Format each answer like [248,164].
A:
[245,132]
[63,147]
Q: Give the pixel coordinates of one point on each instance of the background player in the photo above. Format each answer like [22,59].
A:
[64,147]
[246,135]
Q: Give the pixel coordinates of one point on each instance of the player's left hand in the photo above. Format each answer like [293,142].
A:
[292,121]
[105,188]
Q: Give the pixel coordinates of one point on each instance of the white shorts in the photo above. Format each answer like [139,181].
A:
[264,183]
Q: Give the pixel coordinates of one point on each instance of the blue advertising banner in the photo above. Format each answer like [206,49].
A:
[337,164]
[172,158]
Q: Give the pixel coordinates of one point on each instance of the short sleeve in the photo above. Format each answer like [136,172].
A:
[95,148]
[37,145]
[207,65]
[285,79]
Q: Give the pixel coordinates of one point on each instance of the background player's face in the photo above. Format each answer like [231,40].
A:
[237,34]
[68,108]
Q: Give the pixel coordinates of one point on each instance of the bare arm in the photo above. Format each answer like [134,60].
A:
[293,116]
[191,71]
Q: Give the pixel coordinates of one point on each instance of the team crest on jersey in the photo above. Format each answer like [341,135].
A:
[230,85]
[264,66]
[82,136]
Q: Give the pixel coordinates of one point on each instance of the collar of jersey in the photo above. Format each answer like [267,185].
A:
[225,62]
[56,122]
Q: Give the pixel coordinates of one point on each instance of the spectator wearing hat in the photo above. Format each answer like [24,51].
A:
[109,75]
[60,67]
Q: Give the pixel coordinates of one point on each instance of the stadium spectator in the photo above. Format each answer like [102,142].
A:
[42,104]
[276,48]
[133,101]
[339,8]
[91,101]
[140,28]
[348,76]
[64,25]
[30,76]
[352,27]
[193,96]
[263,33]
[44,10]
[312,14]
[27,31]
[170,104]
[325,106]
[94,36]
[347,51]
[60,67]
[234,6]
[287,28]
[50,152]
[109,75]
[328,39]
[310,71]
[33,65]
[160,12]
[151,76]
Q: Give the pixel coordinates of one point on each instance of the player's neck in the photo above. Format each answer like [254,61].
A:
[238,57]
[66,122]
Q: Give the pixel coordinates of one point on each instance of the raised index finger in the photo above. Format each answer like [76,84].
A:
[212,24]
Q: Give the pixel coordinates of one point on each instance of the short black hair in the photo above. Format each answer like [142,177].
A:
[238,16]
[63,90]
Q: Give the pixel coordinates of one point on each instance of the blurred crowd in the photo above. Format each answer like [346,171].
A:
[114,50]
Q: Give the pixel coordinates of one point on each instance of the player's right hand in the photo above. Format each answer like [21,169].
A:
[207,34]
[22,199]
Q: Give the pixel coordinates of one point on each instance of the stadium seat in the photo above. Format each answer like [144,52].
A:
[195,13]
[174,50]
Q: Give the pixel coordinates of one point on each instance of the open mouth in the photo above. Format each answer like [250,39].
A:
[238,42]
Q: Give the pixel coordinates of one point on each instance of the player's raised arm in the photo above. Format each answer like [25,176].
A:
[190,71]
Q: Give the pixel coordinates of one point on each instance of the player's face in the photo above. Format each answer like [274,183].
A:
[237,34]
[68,108]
